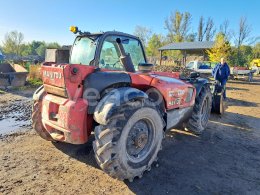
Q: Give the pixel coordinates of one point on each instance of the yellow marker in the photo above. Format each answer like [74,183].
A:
[74,29]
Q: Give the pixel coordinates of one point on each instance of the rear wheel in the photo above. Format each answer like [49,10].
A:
[130,142]
[201,111]
[37,122]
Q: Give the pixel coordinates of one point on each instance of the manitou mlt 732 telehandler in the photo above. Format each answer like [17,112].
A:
[108,87]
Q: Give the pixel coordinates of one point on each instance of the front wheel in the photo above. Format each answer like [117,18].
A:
[201,111]
[130,142]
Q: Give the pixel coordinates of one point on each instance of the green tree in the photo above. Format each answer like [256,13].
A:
[256,50]
[34,45]
[206,30]
[26,50]
[41,50]
[243,33]
[12,43]
[153,45]
[224,28]
[242,37]
[191,37]
[201,32]
[246,52]
[246,55]
[210,29]
[178,25]
[53,45]
[143,33]
[220,49]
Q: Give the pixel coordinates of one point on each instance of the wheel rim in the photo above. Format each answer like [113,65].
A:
[205,111]
[140,140]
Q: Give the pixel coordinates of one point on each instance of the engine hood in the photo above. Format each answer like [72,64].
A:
[167,74]
[177,93]
[168,79]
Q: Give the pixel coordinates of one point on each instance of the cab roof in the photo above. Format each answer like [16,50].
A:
[98,34]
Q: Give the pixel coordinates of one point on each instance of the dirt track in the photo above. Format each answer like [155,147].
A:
[224,160]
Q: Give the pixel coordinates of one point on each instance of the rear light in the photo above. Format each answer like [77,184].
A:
[189,95]
[74,71]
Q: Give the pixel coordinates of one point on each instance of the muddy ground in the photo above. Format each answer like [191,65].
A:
[224,160]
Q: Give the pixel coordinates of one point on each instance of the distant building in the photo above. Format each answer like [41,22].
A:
[198,48]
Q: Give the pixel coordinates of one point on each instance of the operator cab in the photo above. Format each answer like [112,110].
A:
[109,50]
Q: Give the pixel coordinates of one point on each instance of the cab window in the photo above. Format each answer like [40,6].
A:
[110,55]
[83,51]
[134,48]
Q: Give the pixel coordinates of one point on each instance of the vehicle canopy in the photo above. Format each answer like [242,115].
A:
[110,50]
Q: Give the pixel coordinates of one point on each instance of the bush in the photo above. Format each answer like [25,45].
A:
[34,82]
[35,72]
[34,78]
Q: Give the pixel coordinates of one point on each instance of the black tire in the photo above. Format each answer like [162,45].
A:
[201,111]
[37,122]
[218,104]
[116,145]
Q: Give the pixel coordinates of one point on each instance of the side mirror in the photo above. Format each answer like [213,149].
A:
[145,67]
[194,75]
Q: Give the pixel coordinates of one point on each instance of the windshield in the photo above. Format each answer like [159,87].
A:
[110,53]
[83,51]
[133,47]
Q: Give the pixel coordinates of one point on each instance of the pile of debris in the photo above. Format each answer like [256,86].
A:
[184,72]
[20,110]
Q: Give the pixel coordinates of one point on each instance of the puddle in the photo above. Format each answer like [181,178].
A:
[13,124]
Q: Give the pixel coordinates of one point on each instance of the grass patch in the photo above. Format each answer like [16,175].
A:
[30,84]
[19,88]
[34,82]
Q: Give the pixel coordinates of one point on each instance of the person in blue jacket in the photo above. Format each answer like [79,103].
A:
[221,73]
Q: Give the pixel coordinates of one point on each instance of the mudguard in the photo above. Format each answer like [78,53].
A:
[198,84]
[39,93]
[108,105]
[97,82]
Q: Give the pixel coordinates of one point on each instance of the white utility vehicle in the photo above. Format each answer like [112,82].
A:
[201,67]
